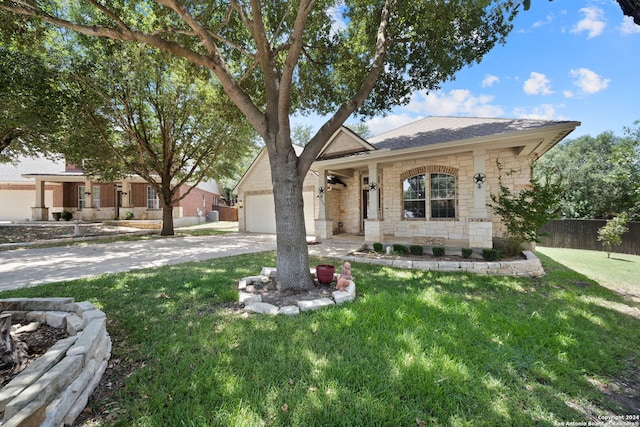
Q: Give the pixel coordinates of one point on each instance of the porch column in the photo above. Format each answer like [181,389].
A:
[40,212]
[87,213]
[480,225]
[373,226]
[324,225]
[126,194]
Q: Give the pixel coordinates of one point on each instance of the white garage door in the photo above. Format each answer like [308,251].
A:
[16,204]
[261,213]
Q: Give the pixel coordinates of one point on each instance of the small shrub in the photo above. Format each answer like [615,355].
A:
[466,252]
[490,254]
[416,250]
[400,249]
[438,251]
[128,215]
[377,246]
[611,234]
[66,215]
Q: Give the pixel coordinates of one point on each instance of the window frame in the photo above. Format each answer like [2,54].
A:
[451,199]
[82,198]
[153,200]
[418,200]
[96,196]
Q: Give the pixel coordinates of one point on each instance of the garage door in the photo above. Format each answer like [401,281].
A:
[16,204]
[261,213]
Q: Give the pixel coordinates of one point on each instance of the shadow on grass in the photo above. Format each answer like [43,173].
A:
[415,347]
[620,259]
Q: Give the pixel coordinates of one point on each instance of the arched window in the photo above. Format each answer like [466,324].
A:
[443,195]
[414,197]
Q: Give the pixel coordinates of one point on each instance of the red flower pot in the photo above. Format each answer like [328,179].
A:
[325,273]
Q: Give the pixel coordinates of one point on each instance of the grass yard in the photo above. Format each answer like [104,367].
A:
[415,348]
[620,272]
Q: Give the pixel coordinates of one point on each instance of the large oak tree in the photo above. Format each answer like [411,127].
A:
[150,113]
[277,58]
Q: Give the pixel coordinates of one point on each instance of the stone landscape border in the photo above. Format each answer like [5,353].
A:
[528,267]
[253,302]
[55,388]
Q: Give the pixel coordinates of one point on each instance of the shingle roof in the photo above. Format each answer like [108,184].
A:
[10,172]
[434,130]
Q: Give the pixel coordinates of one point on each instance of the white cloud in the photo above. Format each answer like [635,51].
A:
[379,125]
[540,23]
[457,102]
[628,26]
[454,102]
[542,112]
[537,84]
[489,80]
[588,81]
[592,22]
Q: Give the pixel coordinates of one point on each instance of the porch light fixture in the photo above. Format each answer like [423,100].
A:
[321,194]
[479,179]
[124,194]
[373,186]
[87,193]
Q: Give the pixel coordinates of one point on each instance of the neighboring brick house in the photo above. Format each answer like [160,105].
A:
[38,188]
[429,181]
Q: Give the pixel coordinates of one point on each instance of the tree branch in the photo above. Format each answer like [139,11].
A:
[312,149]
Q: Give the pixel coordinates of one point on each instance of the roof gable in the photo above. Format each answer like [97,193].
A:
[343,142]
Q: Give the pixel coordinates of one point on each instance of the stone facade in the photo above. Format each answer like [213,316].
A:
[358,185]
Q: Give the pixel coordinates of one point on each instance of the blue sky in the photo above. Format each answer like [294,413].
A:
[564,60]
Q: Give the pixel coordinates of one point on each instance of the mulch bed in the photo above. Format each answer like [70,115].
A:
[38,342]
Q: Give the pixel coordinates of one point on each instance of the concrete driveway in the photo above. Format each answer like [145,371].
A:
[29,267]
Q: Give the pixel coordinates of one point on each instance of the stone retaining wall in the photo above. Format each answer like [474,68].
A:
[55,388]
[528,267]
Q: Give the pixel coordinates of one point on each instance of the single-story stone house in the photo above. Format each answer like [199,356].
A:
[429,181]
[36,189]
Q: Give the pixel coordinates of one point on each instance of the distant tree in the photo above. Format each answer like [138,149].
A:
[600,174]
[611,233]
[301,134]
[153,115]
[360,128]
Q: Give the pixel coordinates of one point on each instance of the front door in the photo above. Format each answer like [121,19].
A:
[118,202]
[365,208]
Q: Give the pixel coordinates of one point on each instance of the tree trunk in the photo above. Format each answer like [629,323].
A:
[167,220]
[292,253]
[13,353]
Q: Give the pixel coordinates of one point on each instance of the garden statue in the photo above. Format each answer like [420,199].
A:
[345,276]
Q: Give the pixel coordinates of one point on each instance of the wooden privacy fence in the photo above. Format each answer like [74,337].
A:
[227,213]
[583,234]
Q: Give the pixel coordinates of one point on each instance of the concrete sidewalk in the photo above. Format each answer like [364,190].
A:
[30,267]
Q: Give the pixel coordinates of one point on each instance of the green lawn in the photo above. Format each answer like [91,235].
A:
[619,272]
[415,348]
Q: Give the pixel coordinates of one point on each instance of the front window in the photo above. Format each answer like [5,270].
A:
[82,201]
[414,197]
[153,202]
[96,196]
[443,195]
